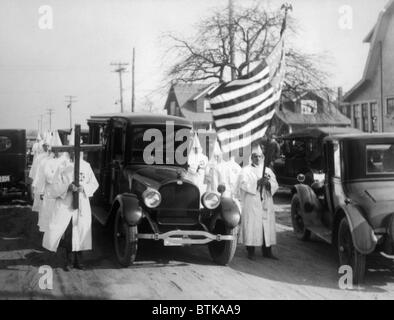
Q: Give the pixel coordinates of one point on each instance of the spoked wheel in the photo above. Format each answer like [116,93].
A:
[222,252]
[296,218]
[125,241]
[348,254]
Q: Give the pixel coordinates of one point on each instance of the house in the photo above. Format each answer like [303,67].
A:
[310,109]
[189,100]
[370,102]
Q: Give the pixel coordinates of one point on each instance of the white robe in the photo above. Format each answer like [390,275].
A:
[51,167]
[196,172]
[38,180]
[258,216]
[63,211]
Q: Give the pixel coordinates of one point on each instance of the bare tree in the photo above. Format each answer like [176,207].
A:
[206,55]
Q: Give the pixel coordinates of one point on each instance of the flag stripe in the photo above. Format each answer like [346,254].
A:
[243,106]
[238,121]
[238,97]
[226,135]
[227,93]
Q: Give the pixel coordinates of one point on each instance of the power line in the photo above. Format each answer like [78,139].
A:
[70,101]
[120,69]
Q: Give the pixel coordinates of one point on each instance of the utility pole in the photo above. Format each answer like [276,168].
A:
[132,84]
[50,112]
[231,34]
[70,101]
[120,69]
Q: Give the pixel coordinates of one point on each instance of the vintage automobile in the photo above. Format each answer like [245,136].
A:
[301,152]
[156,201]
[352,207]
[13,172]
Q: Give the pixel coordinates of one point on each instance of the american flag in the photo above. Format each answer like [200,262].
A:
[242,108]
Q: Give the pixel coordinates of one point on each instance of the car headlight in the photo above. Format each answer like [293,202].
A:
[210,200]
[151,197]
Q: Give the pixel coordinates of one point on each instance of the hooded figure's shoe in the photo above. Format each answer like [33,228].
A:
[78,261]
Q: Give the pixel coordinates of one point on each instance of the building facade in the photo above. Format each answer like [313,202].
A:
[370,103]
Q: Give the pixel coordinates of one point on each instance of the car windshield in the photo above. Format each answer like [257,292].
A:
[380,158]
[160,144]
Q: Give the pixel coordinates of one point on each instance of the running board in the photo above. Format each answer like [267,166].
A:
[323,233]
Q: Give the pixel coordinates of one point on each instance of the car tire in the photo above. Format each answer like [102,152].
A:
[296,219]
[222,252]
[125,241]
[348,254]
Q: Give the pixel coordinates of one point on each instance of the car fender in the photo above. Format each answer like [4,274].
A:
[130,208]
[310,205]
[228,211]
[363,236]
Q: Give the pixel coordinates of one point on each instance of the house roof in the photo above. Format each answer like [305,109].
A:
[320,119]
[186,93]
[373,37]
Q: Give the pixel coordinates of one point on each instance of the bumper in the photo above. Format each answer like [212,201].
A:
[184,237]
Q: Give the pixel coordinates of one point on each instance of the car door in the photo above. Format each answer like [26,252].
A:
[333,179]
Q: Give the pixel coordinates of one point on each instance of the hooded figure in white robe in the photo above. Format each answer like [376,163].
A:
[258,214]
[212,172]
[64,214]
[197,163]
[37,175]
[37,146]
[46,173]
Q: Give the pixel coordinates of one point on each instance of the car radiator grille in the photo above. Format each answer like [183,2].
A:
[180,204]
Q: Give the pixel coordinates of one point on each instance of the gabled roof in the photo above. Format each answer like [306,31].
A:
[373,37]
[187,91]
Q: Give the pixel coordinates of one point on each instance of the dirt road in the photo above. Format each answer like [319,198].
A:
[306,270]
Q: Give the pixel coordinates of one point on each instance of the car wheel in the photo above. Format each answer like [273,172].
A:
[348,254]
[296,219]
[125,241]
[222,252]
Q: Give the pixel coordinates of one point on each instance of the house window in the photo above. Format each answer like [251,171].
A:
[364,114]
[207,106]
[374,117]
[357,116]
[308,106]
[390,106]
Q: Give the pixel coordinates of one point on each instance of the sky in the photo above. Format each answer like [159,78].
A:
[39,67]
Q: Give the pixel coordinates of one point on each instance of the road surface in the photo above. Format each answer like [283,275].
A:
[305,270]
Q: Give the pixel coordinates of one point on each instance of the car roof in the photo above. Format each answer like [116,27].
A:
[141,118]
[363,136]
[316,132]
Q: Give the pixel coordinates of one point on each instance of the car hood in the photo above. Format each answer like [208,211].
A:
[156,176]
[376,198]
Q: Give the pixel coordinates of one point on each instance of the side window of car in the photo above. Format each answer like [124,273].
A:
[5,143]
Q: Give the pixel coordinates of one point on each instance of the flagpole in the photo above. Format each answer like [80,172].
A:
[286,7]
